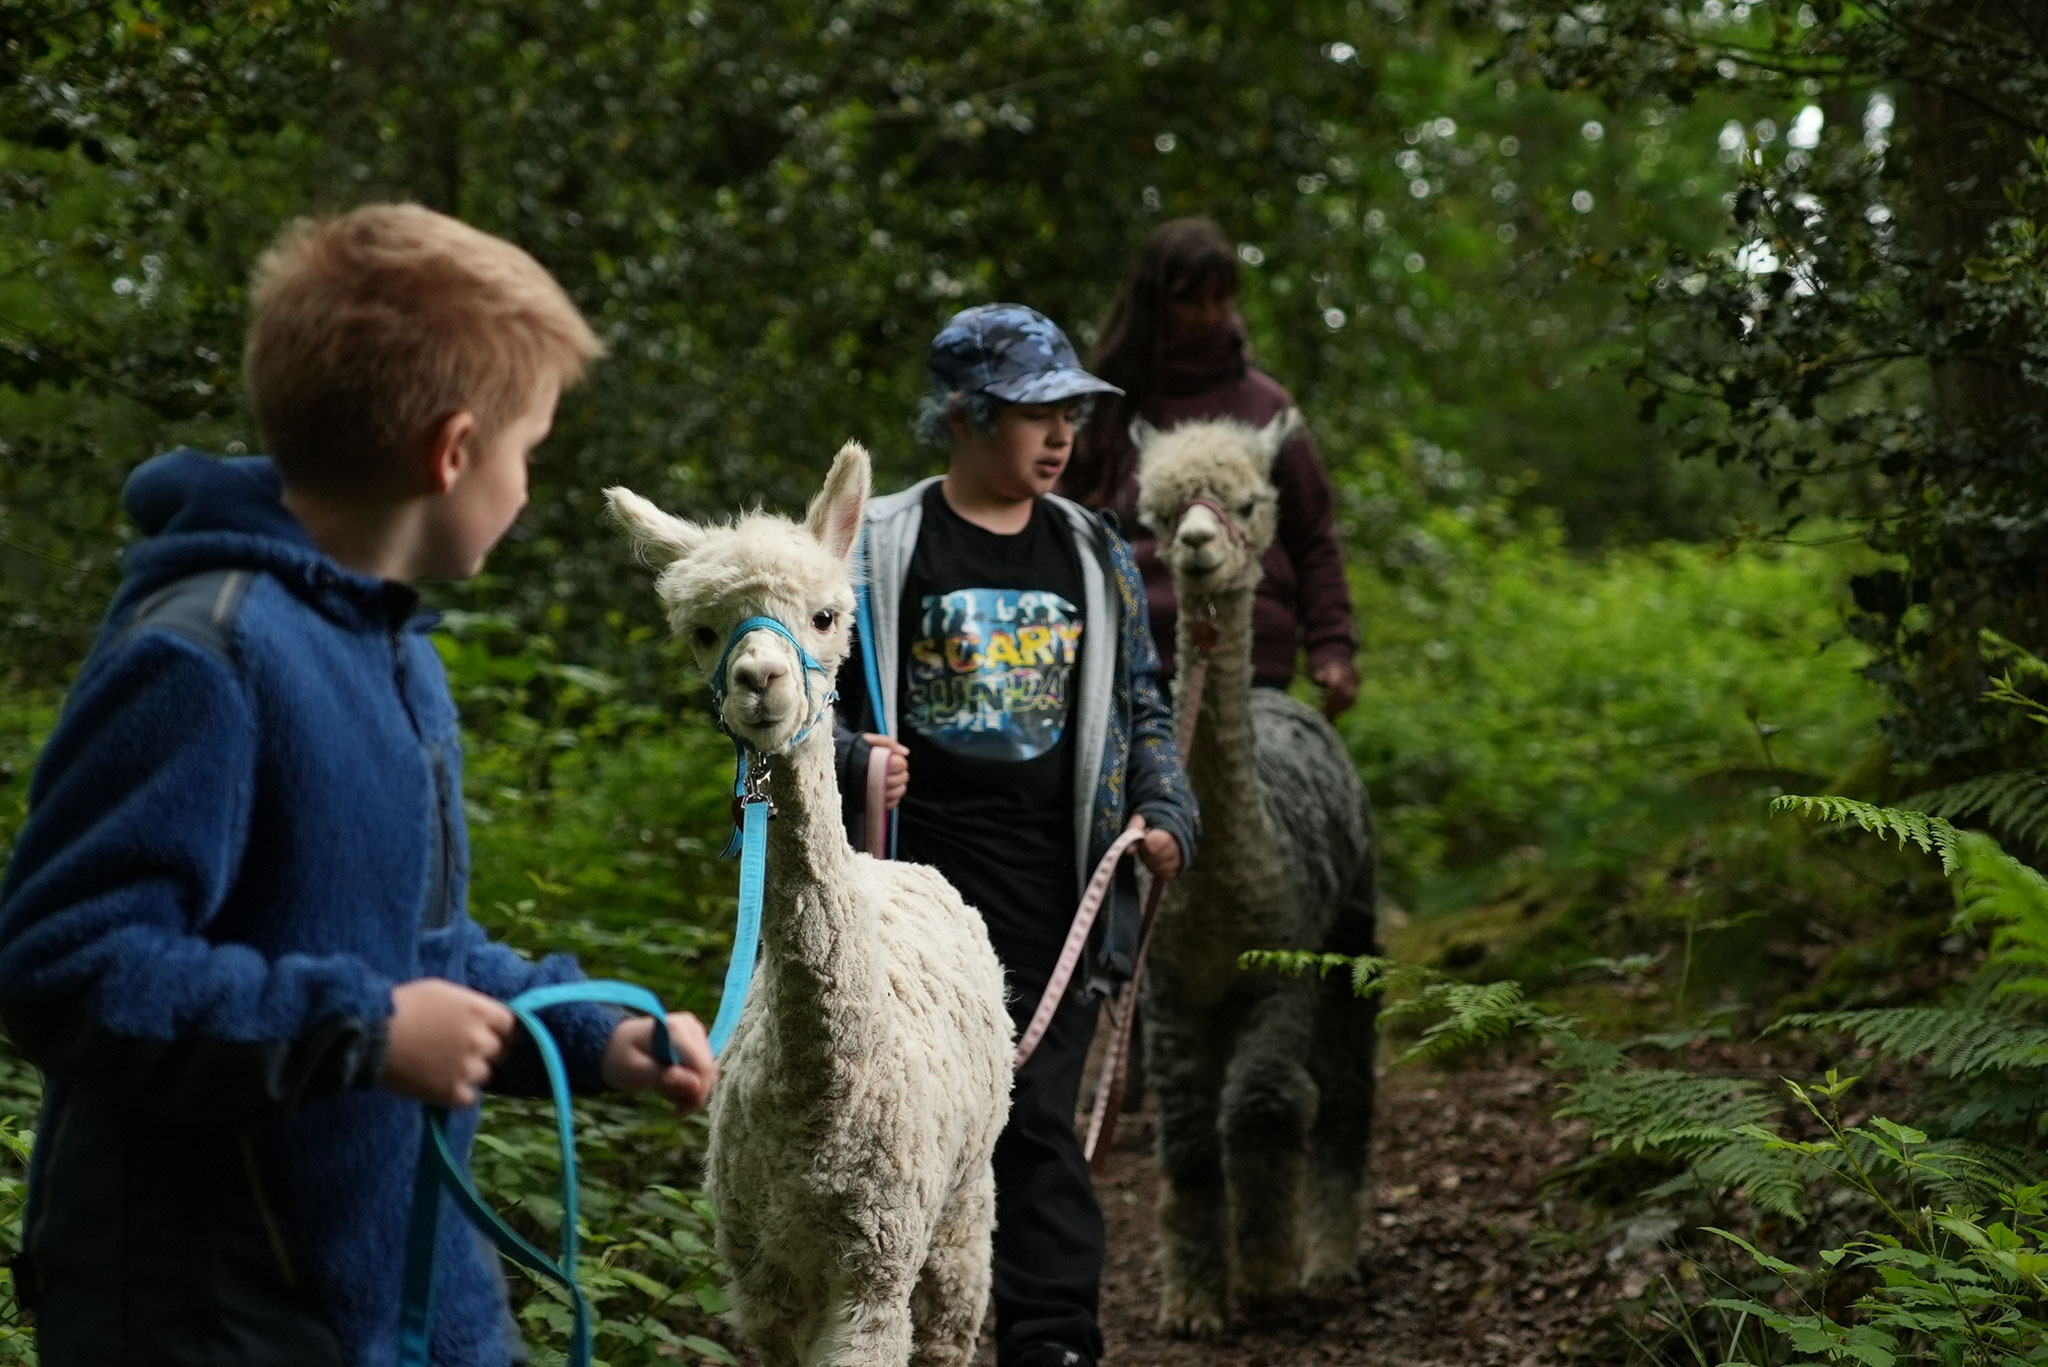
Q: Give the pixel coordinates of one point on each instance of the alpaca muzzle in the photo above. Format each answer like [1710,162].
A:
[1203,535]
[761,690]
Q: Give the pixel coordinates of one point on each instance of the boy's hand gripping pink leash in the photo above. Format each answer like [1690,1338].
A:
[876,813]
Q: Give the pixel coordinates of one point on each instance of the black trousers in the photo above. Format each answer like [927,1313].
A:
[1048,1242]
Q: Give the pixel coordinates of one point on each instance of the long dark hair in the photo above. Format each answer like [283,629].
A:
[1178,257]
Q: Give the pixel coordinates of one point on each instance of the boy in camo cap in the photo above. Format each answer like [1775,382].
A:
[1007,666]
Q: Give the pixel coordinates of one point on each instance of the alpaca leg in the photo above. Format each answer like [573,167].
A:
[767,1322]
[1344,1063]
[951,1296]
[1185,1061]
[1269,1103]
[862,1329]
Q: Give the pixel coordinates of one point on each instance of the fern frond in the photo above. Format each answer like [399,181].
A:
[1994,888]
[1931,833]
[2018,659]
[1292,962]
[1772,1177]
[1475,1014]
[1369,974]
[1957,1042]
[1978,1172]
[2013,803]
[2022,667]
[1666,1111]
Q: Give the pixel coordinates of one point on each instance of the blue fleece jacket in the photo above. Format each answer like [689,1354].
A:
[245,830]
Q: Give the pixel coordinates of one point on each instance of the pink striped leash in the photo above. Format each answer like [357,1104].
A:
[877,811]
[1077,939]
[1109,1088]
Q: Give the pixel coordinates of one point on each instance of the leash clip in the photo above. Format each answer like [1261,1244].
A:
[753,788]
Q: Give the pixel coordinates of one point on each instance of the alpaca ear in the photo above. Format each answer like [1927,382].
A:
[1275,434]
[835,513]
[654,532]
[1143,434]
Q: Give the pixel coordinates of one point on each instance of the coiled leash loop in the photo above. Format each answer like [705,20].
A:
[438,1173]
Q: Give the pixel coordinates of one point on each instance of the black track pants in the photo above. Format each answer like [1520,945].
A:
[1048,1244]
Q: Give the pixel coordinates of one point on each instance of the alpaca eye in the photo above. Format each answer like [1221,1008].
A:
[705,638]
[823,618]
[1245,508]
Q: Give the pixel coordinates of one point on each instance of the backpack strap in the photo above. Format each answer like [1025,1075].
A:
[200,608]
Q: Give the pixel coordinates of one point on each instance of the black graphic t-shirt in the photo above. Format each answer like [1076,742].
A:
[991,652]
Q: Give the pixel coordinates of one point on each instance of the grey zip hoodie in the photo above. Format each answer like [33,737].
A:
[1125,761]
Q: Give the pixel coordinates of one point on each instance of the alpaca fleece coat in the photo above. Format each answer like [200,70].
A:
[1265,1083]
[851,1138]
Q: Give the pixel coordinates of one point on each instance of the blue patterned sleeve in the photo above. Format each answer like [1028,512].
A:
[1158,785]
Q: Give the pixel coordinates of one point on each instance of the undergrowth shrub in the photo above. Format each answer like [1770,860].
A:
[1867,1240]
[1518,694]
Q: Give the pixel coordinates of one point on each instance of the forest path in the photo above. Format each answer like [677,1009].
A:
[1459,1165]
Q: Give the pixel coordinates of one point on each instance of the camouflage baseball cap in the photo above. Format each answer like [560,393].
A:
[1012,353]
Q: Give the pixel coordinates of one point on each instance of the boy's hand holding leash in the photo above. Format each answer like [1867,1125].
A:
[899,766]
[443,1039]
[630,1066]
[1159,851]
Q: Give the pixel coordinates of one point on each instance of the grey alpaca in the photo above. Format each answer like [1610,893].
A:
[1264,1083]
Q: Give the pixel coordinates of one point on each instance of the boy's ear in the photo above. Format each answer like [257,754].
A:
[834,517]
[1143,434]
[654,532]
[1276,433]
[447,449]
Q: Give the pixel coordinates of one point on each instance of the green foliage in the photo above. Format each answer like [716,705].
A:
[767,210]
[1871,340]
[595,820]
[1954,1042]
[1932,834]
[1962,1283]
[1516,694]
[647,1263]
[1951,1266]
[19,1093]
[595,826]
[2012,802]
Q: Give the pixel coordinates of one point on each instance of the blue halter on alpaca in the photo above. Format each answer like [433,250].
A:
[751,812]
[439,1173]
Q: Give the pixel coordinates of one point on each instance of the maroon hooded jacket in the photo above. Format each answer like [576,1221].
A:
[1304,601]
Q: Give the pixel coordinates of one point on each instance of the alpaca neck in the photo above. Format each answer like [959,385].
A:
[807,846]
[817,931]
[1221,758]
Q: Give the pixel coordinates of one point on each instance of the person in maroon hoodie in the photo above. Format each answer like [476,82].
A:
[1176,346]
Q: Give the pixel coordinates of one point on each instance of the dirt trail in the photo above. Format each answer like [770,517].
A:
[1451,1277]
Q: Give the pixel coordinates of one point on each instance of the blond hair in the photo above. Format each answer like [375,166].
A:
[369,328]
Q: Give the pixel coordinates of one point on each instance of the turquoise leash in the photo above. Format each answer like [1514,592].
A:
[438,1173]
[751,813]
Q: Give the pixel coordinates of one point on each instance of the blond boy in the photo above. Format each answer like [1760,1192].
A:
[233,931]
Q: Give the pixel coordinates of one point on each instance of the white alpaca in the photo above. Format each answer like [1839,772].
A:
[1264,1084]
[860,1098]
